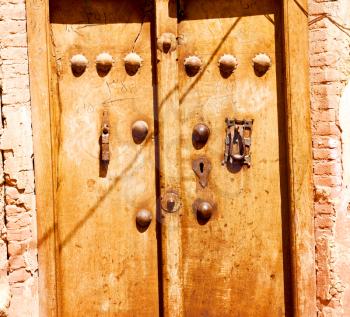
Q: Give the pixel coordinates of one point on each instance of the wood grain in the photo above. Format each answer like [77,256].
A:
[300,169]
[170,161]
[234,264]
[39,71]
[255,256]
[106,266]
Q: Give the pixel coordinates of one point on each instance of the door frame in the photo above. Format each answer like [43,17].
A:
[298,129]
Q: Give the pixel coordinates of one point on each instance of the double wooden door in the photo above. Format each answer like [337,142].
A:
[169,158]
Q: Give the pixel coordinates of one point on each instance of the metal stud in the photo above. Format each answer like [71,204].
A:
[132,63]
[104,63]
[261,63]
[167,42]
[204,210]
[170,201]
[78,64]
[200,135]
[227,64]
[143,218]
[193,65]
[139,131]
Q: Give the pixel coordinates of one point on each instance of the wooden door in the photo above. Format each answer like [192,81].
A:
[106,263]
[176,180]
[231,260]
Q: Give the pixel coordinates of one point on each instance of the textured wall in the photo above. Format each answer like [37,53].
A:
[330,103]
[18,254]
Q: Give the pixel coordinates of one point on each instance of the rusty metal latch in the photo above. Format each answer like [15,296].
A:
[238,141]
[105,155]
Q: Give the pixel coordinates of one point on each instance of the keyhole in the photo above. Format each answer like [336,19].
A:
[201,167]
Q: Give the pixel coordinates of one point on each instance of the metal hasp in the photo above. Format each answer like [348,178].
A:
[105,155]
[238,141]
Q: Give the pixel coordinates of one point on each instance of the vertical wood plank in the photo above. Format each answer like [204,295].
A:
[38,50]
[97,234]
[170,163]
[300,157]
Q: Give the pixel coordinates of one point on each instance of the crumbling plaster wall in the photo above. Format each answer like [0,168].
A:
[18,251]
[330,104]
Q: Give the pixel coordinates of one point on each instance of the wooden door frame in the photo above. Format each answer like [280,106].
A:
[296,76]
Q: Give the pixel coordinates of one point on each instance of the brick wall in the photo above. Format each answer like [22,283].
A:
[18,254]
[329,69]
[330,101]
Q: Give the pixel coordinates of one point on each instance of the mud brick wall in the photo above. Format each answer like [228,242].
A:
[18,251]
[330,106]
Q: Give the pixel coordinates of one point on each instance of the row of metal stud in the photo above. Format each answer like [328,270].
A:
[228,64]
[104,62]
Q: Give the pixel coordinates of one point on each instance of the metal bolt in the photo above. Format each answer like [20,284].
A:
[200,135]
[78,64]
[132,63]
[262,63]
[143,218]
[170,201]
[167,42]
[193,65]
[170,204]
[104,63]
[139,131]
[204,210]
[227,64]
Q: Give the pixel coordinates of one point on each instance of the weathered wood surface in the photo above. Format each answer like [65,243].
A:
[170,160]
[105,265]
[39,71]
[299,144]
[233,264]
[255,255]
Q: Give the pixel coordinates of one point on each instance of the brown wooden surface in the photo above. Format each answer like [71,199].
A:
[170,161]
[210,269]
[233,264]
[38,50]
[106,266]
[300,169]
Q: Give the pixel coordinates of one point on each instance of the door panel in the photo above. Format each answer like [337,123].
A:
[106,264]
[233,263]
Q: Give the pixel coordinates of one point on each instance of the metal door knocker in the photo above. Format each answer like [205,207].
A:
[238,141]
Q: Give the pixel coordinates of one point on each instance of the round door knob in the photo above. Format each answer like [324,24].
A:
[204,210]
[200,135]
[139,131]
[144,218]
